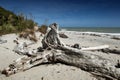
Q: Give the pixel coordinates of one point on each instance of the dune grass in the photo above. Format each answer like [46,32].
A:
[11,23]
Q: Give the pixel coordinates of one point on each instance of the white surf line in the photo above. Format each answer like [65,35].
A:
[99,33]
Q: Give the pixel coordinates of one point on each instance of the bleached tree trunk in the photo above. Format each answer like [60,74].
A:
[89,62]
[84,60]
[95,48]
[59,53]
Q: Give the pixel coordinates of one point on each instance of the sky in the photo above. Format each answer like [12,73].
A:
[68,13]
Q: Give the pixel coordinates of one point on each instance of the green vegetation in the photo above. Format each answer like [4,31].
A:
[10,22]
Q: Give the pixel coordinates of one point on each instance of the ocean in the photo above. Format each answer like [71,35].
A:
[93,29]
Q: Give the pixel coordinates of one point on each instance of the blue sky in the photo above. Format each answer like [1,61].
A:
[83,13]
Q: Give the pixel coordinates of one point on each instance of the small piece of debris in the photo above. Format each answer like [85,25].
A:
[58,71]
[73,69]
[62,35]
[42,78]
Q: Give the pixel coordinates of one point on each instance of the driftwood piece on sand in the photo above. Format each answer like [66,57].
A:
[115,37]
[62,35]
[21,48]
[59,53]
[84,60]
[114,51]
[90,62]
[95,48]
[2,41]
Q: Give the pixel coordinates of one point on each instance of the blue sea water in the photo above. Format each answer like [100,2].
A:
[93,29]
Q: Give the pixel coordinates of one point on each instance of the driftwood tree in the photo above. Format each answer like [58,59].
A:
[55,51]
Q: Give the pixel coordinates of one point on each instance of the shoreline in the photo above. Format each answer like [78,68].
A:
[93,29]
[102,34]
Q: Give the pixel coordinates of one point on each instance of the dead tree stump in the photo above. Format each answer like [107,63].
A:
[51,39]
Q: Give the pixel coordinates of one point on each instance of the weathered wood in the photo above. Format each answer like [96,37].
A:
[67,55]
[89,62]
[84,60]
[21,48]
[2,41]
[62,35]
[114,51]
[115,37]
[95,48]
[25,62]
[51,39]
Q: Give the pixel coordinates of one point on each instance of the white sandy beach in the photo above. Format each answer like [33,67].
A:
[57,71]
